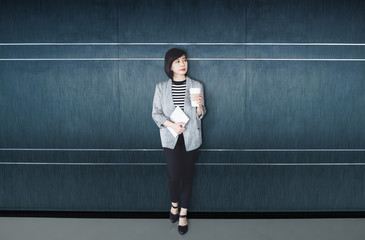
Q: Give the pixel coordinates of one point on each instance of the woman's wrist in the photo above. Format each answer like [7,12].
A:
[199,110]
[168,123]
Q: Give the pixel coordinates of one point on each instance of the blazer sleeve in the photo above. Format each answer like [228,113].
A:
[157,114]
[203,105]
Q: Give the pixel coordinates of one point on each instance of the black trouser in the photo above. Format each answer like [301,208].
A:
[180,166]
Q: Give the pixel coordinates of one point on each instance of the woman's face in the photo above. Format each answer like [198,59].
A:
[180,66]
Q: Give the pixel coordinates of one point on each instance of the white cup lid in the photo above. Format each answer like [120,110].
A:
[194,90]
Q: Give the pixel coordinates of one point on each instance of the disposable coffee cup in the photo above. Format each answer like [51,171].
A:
[193,93]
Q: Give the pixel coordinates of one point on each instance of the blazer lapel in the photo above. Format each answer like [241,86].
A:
[187,93]
[170,100]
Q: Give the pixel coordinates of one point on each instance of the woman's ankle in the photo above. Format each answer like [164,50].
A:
[183,211]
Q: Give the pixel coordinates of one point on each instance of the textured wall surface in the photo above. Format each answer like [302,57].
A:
[284,88]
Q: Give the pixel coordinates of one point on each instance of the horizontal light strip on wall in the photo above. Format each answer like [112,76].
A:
[191,59]
[202,164]
[204,150]
[214,44]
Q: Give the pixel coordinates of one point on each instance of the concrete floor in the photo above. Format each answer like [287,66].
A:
[16,228]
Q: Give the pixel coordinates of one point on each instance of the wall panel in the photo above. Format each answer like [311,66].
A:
[284,93]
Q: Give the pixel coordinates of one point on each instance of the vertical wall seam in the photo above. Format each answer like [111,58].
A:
[245,80]
[118,63]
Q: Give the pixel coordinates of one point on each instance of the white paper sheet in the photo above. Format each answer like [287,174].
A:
[177,115]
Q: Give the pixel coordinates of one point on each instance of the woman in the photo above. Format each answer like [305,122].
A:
[181,151]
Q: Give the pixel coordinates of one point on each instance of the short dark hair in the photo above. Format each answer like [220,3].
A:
[170,56]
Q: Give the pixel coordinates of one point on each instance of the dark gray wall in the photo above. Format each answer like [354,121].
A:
[284,128]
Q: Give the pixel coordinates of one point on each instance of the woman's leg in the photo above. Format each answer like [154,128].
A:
[174,170]
[187,177]
[187,183]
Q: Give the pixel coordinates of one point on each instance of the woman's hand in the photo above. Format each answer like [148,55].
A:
[199,109]
[179,127]
[200,100]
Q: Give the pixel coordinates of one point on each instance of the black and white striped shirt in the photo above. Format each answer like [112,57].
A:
[178,93]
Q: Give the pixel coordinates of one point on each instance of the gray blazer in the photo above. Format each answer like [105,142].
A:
[163,106]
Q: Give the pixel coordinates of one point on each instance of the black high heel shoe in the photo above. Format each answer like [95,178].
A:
[174,217]
[182,229]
